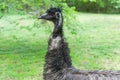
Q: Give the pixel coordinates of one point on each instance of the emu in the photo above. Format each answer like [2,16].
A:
[58,64]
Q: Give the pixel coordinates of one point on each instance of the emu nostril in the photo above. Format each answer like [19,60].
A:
[43,16]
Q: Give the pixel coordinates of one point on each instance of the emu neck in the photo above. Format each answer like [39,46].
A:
[58,25]
[57,56]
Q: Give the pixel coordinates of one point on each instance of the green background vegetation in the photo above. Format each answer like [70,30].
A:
[98,6]
[94,39]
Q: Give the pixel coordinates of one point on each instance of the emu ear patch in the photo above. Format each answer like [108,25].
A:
[57,14]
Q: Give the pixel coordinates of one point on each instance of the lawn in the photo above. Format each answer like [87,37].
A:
[94,41]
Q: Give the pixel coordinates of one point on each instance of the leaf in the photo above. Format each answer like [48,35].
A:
[93,0]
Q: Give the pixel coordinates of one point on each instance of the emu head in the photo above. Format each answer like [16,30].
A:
[52,14]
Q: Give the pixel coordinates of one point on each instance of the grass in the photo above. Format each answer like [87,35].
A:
[94,40]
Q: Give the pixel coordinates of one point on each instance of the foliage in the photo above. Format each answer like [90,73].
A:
[25,6]
[16,6]
[104,6]
[116,3]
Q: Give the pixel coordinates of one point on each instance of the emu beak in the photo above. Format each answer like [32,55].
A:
[44,16]
[40,17]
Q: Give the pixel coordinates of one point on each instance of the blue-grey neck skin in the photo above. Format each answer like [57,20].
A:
[58,25]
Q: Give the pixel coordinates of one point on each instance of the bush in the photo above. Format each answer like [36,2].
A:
[20,6]
[97,6]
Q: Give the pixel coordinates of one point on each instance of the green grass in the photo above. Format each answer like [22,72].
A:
[94,40]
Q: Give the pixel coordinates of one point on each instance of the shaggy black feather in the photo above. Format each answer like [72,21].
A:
[58,65]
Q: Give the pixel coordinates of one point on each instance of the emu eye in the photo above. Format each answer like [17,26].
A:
[52,14]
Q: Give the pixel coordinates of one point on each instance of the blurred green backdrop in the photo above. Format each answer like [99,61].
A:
[97,6]
[91,27]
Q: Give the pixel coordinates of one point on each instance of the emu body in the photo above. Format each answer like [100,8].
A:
[58,64]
